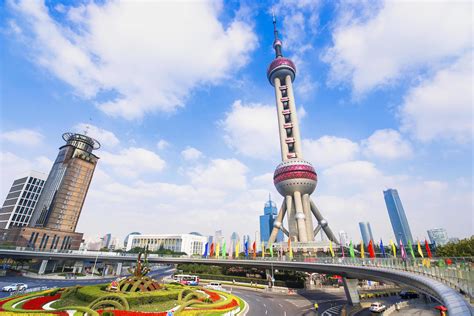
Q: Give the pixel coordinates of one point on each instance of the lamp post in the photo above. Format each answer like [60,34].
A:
[97,256]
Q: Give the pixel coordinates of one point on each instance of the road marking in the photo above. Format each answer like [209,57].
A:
[280,305]
[333,311]
[264,305]
[257,299]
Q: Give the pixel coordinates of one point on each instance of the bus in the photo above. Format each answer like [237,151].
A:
[187,279]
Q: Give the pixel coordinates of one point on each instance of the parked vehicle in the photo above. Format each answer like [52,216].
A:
[408,294]
[15,287]
[377,307]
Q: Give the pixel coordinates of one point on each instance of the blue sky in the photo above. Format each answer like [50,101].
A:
[178,96]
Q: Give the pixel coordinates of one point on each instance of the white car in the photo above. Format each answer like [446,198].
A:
[215,286]
[377,307]
[15,287]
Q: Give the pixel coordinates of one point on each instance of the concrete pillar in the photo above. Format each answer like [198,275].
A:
[277,223]
[106,270]
[281,120]
[309,217]
[290,210]
[300,218]
[350,288]
[294,117]
[43,265]
[118,269]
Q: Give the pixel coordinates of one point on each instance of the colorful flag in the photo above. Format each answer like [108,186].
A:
[224,250]
[217,250]
[371,249]
[420,252]
[330,249]
[362,250]
[428,250]
[382,248]
[290,250]
[394,249]
[254,249]
[402,250]
[246,248]
[231,251]
[351,250]
[211,253]
[411,249]
[342,250]
[263,249]
[237,248]
[205,250]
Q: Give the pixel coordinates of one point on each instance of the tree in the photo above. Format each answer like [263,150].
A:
[462,248]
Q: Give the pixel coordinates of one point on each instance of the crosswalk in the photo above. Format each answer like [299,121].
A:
[333,311]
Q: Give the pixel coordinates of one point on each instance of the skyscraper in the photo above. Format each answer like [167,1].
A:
[343,238]
[21,200]
[106,240]
[399,221]
[54,220]
[366,232]
[438,236]
[294,178]
[234,239]
[266,221]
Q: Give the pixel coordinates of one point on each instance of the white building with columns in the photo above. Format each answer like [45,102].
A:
[191,244]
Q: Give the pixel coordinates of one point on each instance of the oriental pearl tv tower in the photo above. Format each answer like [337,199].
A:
[294,178]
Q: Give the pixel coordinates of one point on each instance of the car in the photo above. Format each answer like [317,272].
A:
[15,287]
[377,307]
[408,294]
[215,286]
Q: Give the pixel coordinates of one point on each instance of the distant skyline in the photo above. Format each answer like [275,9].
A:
[177,95]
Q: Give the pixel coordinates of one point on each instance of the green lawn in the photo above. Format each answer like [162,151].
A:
[156,307]
[70,301]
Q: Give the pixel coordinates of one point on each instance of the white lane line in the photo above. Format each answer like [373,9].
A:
[257,299]
[264,305]
[280,305]
[266,312]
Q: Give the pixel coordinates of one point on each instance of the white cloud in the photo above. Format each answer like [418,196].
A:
[191,153]
[252,130]
[387,144]
[441,108]
[133,161]
[329,150]
[23,137]
[106,138]
[397,38]
[220,174]
[83,53]
[162,144]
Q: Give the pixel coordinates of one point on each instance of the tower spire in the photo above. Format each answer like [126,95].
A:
[276,41]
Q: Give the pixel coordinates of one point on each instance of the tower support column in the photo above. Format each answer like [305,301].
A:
[277,224]
[291,218]
[300,218]
[308,217]
[350,288]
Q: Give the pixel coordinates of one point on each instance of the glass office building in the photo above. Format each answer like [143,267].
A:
[266,222]
[366,232]
[438,236]
[399,221]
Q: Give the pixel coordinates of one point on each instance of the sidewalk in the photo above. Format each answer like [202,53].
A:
[62,277]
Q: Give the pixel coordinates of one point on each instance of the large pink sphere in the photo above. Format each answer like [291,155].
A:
[295,175]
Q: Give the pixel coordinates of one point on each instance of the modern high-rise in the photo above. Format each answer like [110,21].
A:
[399,221]
[266,221]
[438,236]
[234,239]
[343,238]
[366,232]
[294,178]
[21,200]
[54,220]
[218,237]
[106,240]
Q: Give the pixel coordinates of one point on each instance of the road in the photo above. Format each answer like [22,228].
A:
[422,310]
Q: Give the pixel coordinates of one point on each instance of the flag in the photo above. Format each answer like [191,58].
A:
[402,250]
[237,252]
[330,249]
[394,249]
[246,248]
[224,251]
[211,253]
[217,250]
[342,250]
[351,250]
[205,250]
[371,249]
[420,252]
[270,247]
[382,248]
[231,252]
[411,249]
[362,251]
[290,250]
[254,249]
[428,250]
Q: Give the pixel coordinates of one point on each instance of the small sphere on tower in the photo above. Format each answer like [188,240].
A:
[295,175]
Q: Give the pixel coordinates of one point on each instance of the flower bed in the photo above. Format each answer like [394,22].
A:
[131,313]
[4,301]
[37,303]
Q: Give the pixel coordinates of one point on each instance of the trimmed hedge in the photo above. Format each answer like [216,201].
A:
[288,283]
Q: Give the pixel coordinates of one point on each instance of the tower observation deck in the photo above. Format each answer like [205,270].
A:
[294,178]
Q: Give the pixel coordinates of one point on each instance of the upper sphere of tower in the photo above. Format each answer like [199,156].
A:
[281,67]
[295,175]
